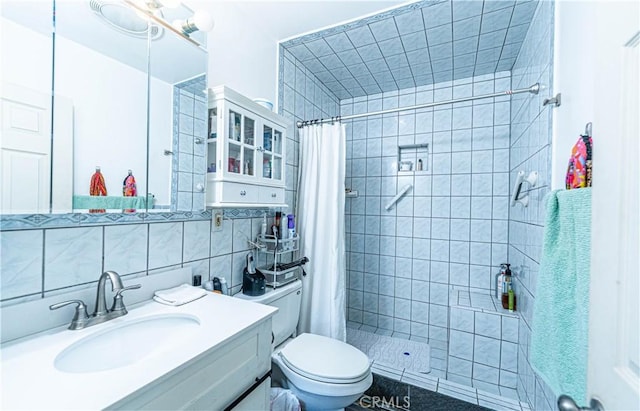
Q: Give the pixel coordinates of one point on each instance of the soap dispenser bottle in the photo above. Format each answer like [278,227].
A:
[500,280]
[507,285]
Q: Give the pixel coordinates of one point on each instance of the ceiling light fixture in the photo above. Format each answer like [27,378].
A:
[201,20]
[123,19]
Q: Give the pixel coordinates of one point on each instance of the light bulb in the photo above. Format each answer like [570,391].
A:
[203,20]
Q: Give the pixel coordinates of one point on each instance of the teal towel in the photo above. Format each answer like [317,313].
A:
[560,329]
[108,202]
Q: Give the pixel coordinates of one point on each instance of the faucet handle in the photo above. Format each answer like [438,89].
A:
[118,304]
[80,316]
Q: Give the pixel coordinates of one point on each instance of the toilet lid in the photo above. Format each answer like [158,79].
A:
[325,359]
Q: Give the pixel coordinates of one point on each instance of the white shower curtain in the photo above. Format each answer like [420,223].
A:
[320,217]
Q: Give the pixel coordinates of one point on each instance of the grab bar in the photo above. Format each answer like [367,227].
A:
[532,178]
[397,197]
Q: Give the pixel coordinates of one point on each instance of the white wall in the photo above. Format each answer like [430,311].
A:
[587,37]
[28,69]
[241,54]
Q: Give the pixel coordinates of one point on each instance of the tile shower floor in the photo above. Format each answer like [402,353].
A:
[378,342]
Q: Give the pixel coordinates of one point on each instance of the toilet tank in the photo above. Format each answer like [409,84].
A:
[287,299]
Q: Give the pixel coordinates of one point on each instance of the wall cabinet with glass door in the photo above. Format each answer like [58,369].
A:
[246,152]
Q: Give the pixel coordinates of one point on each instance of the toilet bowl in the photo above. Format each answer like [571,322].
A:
[324,373]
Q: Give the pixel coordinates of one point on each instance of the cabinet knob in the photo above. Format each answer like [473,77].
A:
[273,195]
[243,193]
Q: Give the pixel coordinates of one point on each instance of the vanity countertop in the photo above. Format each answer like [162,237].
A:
[29,379]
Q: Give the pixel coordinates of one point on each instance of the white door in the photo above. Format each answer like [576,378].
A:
[614,349]
[25,150]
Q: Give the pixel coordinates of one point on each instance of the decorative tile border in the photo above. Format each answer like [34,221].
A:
[37,221]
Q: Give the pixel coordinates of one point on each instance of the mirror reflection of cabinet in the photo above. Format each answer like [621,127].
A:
[245,153]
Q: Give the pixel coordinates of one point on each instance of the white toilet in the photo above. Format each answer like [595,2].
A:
[324,373]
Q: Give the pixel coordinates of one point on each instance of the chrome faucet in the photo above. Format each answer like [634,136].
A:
[101,314]
[101,300]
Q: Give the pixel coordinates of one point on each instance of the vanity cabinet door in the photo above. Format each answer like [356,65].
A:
[259,398]
[211,381]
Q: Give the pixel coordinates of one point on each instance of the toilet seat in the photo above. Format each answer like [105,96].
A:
[325,360]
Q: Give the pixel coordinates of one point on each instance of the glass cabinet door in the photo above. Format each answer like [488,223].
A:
[272,161]
[212,147]
[277,155]
[241,142]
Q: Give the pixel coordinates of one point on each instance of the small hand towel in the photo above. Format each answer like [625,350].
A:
[179,295]
[560,326]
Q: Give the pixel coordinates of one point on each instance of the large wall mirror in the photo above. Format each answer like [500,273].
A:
[111,99]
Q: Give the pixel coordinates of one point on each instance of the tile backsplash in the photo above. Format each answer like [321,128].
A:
[38,262]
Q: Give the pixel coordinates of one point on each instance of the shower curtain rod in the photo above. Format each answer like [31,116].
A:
[534,89]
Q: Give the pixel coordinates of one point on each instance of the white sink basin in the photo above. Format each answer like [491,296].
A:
[126,344]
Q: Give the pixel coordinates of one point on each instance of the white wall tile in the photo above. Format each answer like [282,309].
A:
[481,230]
[20,263]
[485,373]
[509,356]
[72,256]
[510,329]
[462,319]
[486,351]
[439,294]
[200,267]
[460,367]
[461,345]
[438,315]
[221,241]
[242,234]
[165,244]
[197,236]
[420,290]
[488,325]
[125,248]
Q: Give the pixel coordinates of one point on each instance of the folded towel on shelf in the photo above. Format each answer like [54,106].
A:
[560,329]
[179,295]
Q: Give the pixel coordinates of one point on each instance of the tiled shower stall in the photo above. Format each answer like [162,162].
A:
[424,270]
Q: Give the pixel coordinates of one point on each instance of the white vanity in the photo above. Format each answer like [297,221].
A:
[213,353]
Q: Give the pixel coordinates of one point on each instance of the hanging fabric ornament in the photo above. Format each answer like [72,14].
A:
[129,189]
[97,187]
